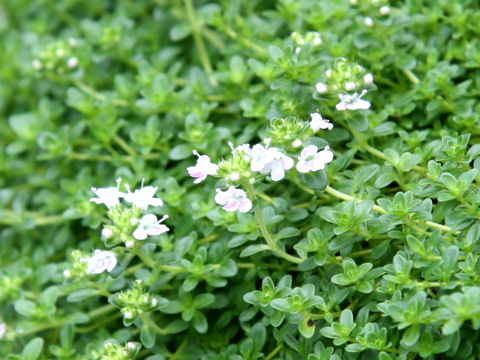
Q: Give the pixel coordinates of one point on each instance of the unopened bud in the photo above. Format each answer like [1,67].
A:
[354,2]
[129,244]
[133,221]
[60,52]
[154,302]
[384,10]
[235,176]
[350,86]
[317,41]
[368,79]
[321,87]
[107,233]
[297,50]
[67,274]
[297,143]
[72,62]
[128,315]
[328,73]
[131,346]
[368,21]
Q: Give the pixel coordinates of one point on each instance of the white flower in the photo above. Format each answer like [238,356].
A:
[311,160]
[368,79]
[350,86]
[101,261]
[109,196]
[321,88]
[72,62]
[131,346]
[368,21]
[297,50]
[317,40]
[233,199]
[150,226]
[384,10]
[143,197]
[3,330]
[129,244]
[202,169]
[318,122]
[277,165]
[154,302]
[107,233]
[353,102]
[67,274]
[328,73]
[260,155]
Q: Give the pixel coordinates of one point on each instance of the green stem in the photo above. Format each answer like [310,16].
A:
[146,319]
[411,76]
[381,210]
[202,50]
[124,145]
[274,352]
[265,233]
[95,94]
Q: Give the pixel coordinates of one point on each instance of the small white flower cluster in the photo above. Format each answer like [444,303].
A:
[60,53]
[101,261]
[148,225]
[311,37]
[353,101]
[265,160]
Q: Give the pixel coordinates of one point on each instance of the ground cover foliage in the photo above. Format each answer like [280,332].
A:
[372,255]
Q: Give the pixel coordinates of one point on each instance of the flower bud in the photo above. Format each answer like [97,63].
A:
[235,176]
[72,42]
[384,10]
[368,79]
[321,88]
[128,315]
[297,143]
[129,244]
[328,73]
[368,21]
[133,221]
[154,302]
[107,233]
[354,2]
[60,52]
[67,274]
[297,50]
[317,41]
[72,62]
[350,86]
[131,346]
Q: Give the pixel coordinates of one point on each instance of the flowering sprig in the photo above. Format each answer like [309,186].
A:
[101,261]
[203,168]
[127,225]
[136,301]
[233,199]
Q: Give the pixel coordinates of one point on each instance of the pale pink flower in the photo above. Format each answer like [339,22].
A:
[101,261]
[233,199]
[202,169]
[277,164]
[318,122]
[312,160]
[150,226]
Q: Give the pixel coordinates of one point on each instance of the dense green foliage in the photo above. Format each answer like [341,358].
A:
[376,256]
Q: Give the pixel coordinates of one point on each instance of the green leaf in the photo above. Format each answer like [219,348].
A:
[254,249]
[306,327]
[147,336]
[200,322]
[411,336]
[81,295]
[275,53]
[33,349]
